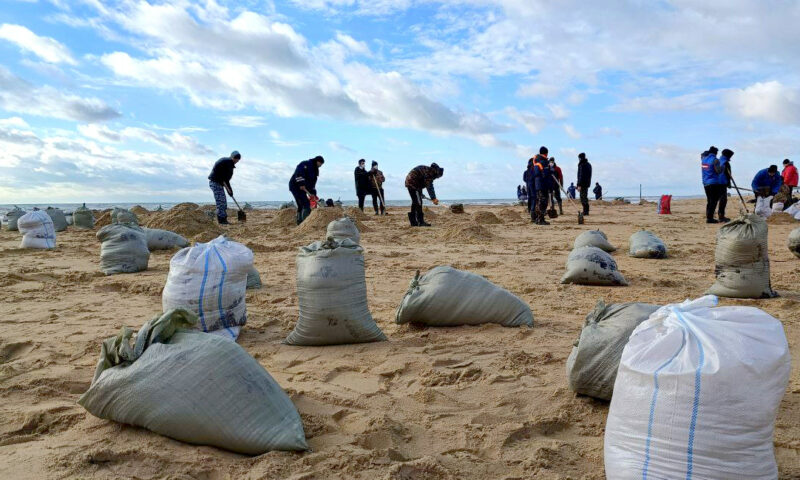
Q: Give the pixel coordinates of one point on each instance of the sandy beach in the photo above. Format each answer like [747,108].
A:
[431,403]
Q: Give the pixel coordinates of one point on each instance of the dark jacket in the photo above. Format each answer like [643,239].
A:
[222,172]
[305,175]
[584,173]
[363,186]
[422,177]
[762,180]
[527,177]
[542,175]
[375,176]
[598,191]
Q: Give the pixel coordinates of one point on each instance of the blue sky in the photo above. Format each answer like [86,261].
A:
[133,100]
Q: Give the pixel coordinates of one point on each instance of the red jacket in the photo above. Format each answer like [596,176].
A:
[790,175]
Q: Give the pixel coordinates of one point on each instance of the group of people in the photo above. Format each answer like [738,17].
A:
[544,182]
[370,182]
[718,178]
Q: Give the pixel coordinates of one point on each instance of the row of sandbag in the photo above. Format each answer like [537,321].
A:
[82,218]
[690,377]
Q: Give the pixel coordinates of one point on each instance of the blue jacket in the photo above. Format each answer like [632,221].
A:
[762,179]
[305,175]
[527,177]
[542,175]
[713,170]
[571,191]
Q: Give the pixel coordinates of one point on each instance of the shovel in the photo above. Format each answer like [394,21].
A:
[240,215]
[580,214]
[737,191]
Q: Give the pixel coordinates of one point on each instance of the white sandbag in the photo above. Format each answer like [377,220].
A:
[794,242]
[762,207]
[645,244]
[696,395]
[592,364]
[343,228]
[121,215]
[210,279]
[793,209]
[158,239]
[446,297]
[592,266]
[332,296]
[777,207]
[68,216]
[797,215]
[742,262]
[58,217]
[37,230]
[253,279]
[193,387]
[82,217]
[12,217]
[123,249]
[593,238]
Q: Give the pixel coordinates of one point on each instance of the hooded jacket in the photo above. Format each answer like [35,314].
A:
[305,175]
[763,179]
[584,173]
[790,175]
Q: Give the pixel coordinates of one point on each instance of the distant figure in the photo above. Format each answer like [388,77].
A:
[376,180]
[519,192]
[418,178]
[571,190]
[524,193]
[304,184]
[556,171]
[790,179]
[767,182]
[219,180]
[715,182]
[363,185]
[527,177]
[329,202]
[584,181]
[542,183]
[598,191]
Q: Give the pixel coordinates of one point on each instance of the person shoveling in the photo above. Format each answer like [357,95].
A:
[418,178]
[219,180]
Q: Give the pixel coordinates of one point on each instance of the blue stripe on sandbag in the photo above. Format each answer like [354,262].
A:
[219,298]
[202,294]
[695,403]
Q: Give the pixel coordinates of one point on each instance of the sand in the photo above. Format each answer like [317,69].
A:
[188,220]
[431,403]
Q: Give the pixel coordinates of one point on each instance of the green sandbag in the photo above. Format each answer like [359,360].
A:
[82,217]
[121,215]
[123,249]
[58,217]
[194,387]
[12,217]
[253,279]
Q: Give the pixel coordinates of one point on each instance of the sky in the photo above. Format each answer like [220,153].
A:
[134,100]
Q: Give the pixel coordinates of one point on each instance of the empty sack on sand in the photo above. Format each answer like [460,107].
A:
[158,239]
[192,387]
[696,395]
[37,230]
[592,266]
[645,244]
[123,249]
[593,238]
[343,228]
[741,260]
[592,364]
[210,279]
[332,296]
[446,297]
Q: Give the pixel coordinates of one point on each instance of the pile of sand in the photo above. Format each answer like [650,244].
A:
[509,215]
[139,210]
[482,217]
[354,213]
[471,232]
[780,218]
[103,220]
[188,220]
[319,219]
[620,201]
[429,213]
[286,217]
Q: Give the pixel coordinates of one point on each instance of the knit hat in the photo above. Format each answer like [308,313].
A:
[727,153]
[439,169]
[236,155]
[543,150]
[713,149]
[786,161]
[582,156]
[374,163]
[773,169]
[319,158]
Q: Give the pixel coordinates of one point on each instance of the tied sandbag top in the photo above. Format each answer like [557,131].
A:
[237,257]
[342,228]
[593,238]
[645,244]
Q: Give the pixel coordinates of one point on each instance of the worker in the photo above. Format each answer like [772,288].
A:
[584,181]
[598,191]
[376,180]
[571,191]
[725,179]
[219,180]
[559,176]
[790,179]
[767,182]
[527,177]
[419,178]
[541,175]
[304,184]
[714,182]
[363,186]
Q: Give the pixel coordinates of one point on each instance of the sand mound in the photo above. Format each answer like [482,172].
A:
[602,202]
[780,219]
[319,219]
[188,220]
[103,220]
[140,210]
[509,215]
[354,213]
[620,201]
[467,233]
[285,217]
[429,212]
[482,217]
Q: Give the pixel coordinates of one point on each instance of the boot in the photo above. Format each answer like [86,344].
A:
[560,209]
[421,220]
[222,220]
[412,218]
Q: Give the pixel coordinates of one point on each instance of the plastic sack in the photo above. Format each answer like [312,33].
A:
[82,217]
[58,217]
[253,279]
[446,297]
[158,239]
[343,228]
[123,249]
[37,230]
[696,395]
[794,242]
[68,216]
[777,207]
[210,279]
[332,296]
[793,209]
[664,204]
[592,364]
[593,238]
[592,266]
[645,244]
[193,387]
[762,207]
[121,215]
[742,262]
[12,217]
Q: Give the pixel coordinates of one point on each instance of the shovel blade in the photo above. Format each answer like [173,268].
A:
[241,216]
[580,218]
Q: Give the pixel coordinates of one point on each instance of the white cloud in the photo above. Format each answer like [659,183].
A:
[175,141]
[558,111]
[533,122]
[571,131]
[701,100]
[340,148]
[771,101]
[246,121]
[14,122]
[46,48]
